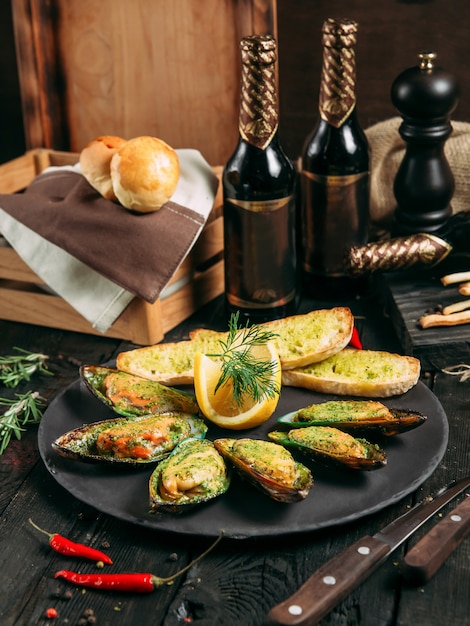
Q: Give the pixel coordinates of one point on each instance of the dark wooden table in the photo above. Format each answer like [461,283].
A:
[240,580]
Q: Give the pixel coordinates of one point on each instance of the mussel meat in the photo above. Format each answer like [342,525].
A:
[131,395]
[354,415]
[137,440]
[192,474]
[331,445]
[267,466]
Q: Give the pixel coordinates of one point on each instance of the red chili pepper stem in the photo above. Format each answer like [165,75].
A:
[70,548]
[136,582]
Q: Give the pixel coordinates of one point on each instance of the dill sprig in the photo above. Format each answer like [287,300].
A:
[25,409]
[20,367]
[247,374]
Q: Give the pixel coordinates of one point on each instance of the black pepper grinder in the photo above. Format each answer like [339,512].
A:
[425,96]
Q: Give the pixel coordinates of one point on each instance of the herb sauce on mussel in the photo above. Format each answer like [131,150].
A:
[130,395]
[268,466]
[355,415]
[330,444]
[133,440]
[193,473]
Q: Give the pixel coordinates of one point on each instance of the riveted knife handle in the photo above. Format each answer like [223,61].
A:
[332,582]
[430,552]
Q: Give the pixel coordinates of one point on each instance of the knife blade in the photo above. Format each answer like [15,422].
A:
[334,580]
[429,553]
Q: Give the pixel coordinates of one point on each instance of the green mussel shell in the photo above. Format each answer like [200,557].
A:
[355,415]
[331,445]
[268,467]
[193,474]
[131,395]
[134,441]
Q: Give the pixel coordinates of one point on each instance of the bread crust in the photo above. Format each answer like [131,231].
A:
[300,339]
[367,373]
[144,174]
[95,163]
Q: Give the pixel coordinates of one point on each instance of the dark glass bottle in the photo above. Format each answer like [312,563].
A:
[261,277]
[335,172]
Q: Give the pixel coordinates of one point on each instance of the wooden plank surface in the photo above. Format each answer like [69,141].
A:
[240,581]
[409,298]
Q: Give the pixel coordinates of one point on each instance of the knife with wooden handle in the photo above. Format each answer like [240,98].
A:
[430,552]
[344,572]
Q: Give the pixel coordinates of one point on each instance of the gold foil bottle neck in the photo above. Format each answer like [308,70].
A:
[338,80]
[258,121]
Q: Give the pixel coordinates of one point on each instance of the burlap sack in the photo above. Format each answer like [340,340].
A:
[387,152]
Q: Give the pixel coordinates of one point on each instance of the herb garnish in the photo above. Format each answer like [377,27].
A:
[22,411]
[17,368]
[247,374]
[24,408]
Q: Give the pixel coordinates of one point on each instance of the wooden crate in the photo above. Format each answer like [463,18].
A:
[22,299]
[147,67]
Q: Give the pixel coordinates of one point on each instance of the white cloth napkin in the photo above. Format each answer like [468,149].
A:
[96,298]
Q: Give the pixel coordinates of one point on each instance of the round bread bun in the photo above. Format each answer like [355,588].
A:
[95,163]
[145,172]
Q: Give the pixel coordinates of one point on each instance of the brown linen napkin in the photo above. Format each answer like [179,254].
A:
[139,252]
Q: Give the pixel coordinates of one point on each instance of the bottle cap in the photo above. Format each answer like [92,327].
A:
[339,33]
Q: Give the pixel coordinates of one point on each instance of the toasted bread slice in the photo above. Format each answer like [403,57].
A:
[367,373]
[167,363]
[306,338]
[300,339]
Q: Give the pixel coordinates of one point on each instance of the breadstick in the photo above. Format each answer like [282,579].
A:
[456,307]
[437,319]
[458,277]
[464,289]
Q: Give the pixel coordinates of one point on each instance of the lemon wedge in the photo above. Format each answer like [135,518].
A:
[220,406]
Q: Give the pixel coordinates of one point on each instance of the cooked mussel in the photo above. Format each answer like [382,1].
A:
[137,440]
[192,474]
[332,445]
[355,415]
[268,466]
[131,395]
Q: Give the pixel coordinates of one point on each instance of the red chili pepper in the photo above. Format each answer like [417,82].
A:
[140,583]
[66,546]
[355,341]
[135,582]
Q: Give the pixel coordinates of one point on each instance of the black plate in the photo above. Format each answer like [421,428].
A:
[337,496]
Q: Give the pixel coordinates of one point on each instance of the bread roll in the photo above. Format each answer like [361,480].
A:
[95,163]
[144,172]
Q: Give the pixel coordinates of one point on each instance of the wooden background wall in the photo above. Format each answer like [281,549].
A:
[392,32]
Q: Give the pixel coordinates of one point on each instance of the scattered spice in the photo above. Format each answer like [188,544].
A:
[51,613]
[70,548]
[133,582]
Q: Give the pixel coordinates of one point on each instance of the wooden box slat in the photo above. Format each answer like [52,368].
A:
[198,280]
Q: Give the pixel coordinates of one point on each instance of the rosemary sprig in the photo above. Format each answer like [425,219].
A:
[247,374]
[17,368]
[26,409]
